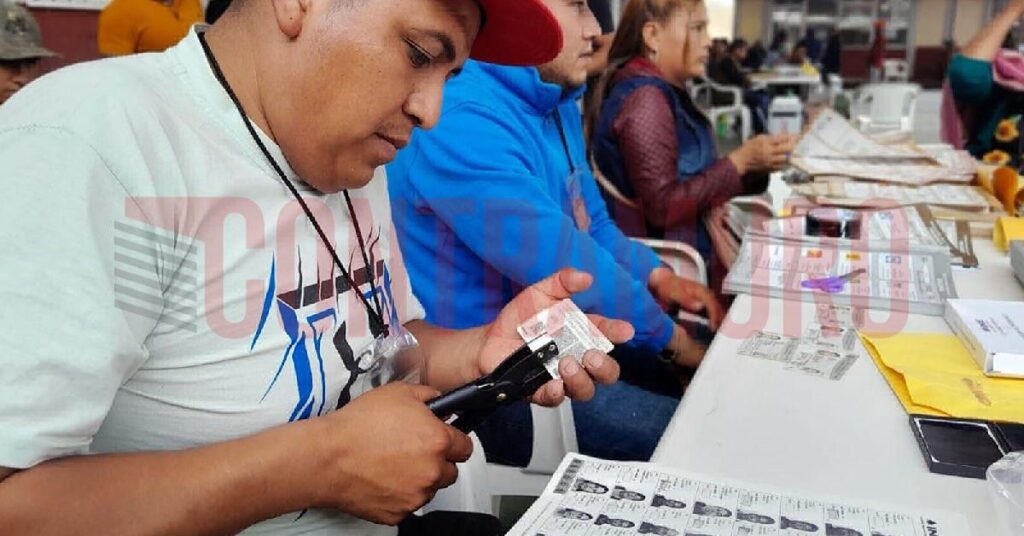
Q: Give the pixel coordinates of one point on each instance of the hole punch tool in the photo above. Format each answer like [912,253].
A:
[516,378]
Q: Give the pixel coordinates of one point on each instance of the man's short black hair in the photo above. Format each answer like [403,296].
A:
[737,44]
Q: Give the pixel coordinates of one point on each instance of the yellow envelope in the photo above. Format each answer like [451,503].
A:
[934,374]
[1007,229]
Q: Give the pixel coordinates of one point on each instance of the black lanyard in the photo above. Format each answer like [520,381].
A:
[376,316]
[565,142]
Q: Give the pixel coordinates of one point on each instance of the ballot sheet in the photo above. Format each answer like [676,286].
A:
[592,497]
[832,146]
[842,192]
[823,351]
[831,136]
[908,227]
[896,279]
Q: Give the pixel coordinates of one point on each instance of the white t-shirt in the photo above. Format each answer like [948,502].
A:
[161,288]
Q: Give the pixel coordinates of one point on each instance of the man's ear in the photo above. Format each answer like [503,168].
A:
[290,15]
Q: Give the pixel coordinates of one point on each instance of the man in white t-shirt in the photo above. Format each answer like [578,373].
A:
[176,336]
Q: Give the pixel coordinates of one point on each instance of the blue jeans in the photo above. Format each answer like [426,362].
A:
[624,421]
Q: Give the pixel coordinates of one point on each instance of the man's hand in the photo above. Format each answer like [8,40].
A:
[685,351]
[387,454]
[668,288]
[501,339]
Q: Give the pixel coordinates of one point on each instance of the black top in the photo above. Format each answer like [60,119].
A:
[730,73]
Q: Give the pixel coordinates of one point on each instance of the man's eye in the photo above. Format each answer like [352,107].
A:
[417,55]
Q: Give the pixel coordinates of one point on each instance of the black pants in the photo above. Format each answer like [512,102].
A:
[451,524]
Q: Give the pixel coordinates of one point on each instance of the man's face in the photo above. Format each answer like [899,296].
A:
[579,29]
[799,54]
[15,74]
[358,78]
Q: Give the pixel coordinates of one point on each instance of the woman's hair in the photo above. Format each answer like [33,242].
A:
[628,44]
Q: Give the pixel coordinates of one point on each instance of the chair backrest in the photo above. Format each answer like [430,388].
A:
[611,189]
[886,105]
[709,95]
[625,211]
[482,484]
[684,260]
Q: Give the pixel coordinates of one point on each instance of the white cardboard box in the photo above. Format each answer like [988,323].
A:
[993,331]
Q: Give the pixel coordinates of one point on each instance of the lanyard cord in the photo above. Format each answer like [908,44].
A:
[565,142]
[376,317]
[363,250]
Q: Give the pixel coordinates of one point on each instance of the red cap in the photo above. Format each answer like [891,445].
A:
[517,32]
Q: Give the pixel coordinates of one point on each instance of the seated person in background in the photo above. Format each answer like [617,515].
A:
[990,107]
[719,50]
[778,51]
[21,48]
[731,73]
[800,58]
[756,57]
[500,194]
[833,52]
[132,26]
[812,46]
[649,139]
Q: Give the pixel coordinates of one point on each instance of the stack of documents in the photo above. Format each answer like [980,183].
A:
[900,228]
[837,191]
[993,332]
[589,496]
[910,226]
[911,280]
[728,222]
[899,263]
[832,146]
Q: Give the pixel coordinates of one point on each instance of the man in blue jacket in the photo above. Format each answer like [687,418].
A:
[500,194]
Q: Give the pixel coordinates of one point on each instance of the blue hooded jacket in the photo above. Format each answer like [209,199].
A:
[484,207]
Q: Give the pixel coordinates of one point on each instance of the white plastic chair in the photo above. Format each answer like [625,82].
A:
[834,88]
[885,106]
[682,258]
[482,484]
[894,70]
[703,94]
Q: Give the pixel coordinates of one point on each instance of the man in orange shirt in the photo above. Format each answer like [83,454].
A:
[131,26]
